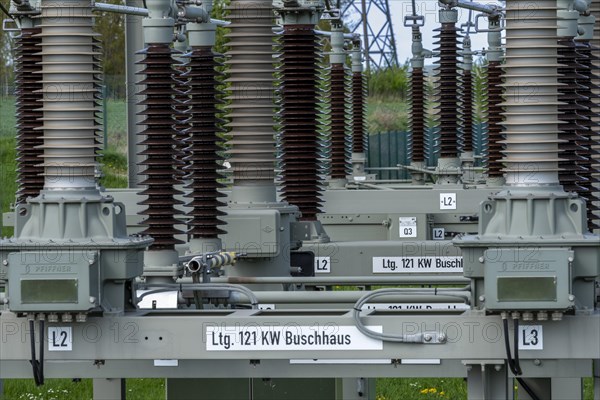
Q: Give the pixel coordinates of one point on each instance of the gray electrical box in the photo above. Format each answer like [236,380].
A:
[62,281]
[528,278]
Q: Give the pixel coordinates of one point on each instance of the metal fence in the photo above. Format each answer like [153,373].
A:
[388,150]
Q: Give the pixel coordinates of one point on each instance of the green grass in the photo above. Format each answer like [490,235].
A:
[66,389]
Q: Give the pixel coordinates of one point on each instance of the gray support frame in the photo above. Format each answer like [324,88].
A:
[489,380]
[109,389]
[596,379]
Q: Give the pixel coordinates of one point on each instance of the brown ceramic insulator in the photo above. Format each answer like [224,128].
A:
[494,117]
[589,90]
[340,122]
[572,153]
[204,148]
[417,112]
[448,79]
[181,115]
[159,164]
[359,131]
[466,111]
[301,173]
[29,172]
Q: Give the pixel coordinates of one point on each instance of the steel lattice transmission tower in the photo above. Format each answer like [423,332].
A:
[378,38]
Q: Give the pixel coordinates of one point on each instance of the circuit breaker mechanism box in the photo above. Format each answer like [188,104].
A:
[61,284]
[528,278]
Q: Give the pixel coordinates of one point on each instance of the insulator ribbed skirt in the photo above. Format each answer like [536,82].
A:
[495,135]
[301,176]
[466,111]
[531,122]
[590,144]
[251,92]
[204,152]
[360,138]
[573,153]
[447,85]
[417,112]
[159,152]
[28,98]
[70,88]
[340,138]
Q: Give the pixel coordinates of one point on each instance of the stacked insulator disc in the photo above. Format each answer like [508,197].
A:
[417,105]
[573,156]
[447,89]
[251,87]
[204,151]
[494,118]
[340,122]
[360,138]
[591,173]
[160,145]
[531,94]
[323,107]
[466,112]
[595,58]
[70,71]
[301,176]
[30,174]
[181,115]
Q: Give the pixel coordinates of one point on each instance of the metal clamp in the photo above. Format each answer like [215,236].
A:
[414,21]
[6,28]
[500,27]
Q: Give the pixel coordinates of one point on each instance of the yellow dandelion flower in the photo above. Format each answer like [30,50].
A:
[424,391]
[433,390]
[442,393]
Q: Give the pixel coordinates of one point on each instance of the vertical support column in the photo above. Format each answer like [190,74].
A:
[542,387]
[109,389]
[357,389]
[488,382]
[596,379]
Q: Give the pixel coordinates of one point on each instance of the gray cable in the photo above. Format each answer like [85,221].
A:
[412,338]
[164,287]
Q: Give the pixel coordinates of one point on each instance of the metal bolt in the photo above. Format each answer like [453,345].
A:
[5,262]
[91,262]
[542,316]
[571,297]
[81,317]
[537,362]
[441,338]
[67,318]
[481,259]
[52,318]
[92,299]
[482,298]
[497,367]
[527,316]
[427,337]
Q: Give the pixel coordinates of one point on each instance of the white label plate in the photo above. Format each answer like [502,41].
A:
[60,338]
[415,306]
[400,265]
[407,227]
[289,337]
[447,201]
[439,233]
[322,265]
[531,337]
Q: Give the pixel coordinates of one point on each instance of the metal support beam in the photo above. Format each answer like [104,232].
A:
[109,389]
[486,381]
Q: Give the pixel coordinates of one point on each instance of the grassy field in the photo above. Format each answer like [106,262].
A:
[390,115]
